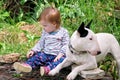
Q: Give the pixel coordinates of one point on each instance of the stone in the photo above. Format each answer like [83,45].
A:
[93,74]
[117,13]
[4,77]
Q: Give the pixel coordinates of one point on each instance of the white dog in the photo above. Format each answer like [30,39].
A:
[83,47]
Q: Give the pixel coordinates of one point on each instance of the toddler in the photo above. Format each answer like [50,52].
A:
[50,49]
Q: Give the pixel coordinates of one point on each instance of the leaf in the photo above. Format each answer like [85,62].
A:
[0,46]
[22,2]
[4,15]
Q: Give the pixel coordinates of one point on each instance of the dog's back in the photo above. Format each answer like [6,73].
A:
[108,44]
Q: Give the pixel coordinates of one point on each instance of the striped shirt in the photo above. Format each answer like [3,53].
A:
[53,43]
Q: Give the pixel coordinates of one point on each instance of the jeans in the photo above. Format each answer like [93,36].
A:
[42,59]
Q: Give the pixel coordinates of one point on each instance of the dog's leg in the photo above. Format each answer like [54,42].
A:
[113,46]
[80,68]
[56,70]
[116,53]
[117,58]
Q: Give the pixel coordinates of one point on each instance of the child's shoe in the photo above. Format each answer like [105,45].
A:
[44,71]
[22,67]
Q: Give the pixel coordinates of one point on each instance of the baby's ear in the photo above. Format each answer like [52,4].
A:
[54,23]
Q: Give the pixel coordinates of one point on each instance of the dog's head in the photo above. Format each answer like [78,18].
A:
[85,39]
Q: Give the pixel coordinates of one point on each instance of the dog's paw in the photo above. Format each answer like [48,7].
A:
[71,76]
[53,72]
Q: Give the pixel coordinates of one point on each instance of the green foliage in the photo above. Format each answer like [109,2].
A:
[17,75]
[109,65]
[17,13]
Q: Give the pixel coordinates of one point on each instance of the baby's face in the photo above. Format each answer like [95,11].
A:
[48,27]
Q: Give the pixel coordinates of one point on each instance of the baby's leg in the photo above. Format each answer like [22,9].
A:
[50,64]
[35,61]
[53,64]
[39,59]
[56,70]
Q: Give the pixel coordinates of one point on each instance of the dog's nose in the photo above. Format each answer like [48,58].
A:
[98,52]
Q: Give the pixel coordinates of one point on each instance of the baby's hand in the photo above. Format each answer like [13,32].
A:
[58,57]
[30,53]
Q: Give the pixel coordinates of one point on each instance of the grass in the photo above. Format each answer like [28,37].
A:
[72,14]
[13,39]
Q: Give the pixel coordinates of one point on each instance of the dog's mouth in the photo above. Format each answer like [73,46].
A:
[95,53]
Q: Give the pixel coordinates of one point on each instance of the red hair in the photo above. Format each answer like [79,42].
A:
[51,15]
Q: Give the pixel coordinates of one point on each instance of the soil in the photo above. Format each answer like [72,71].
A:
[8,73]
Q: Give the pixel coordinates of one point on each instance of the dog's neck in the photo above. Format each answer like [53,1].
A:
[74,51]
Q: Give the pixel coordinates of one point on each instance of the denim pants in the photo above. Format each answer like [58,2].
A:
[42,59]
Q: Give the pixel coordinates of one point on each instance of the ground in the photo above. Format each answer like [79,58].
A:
[8,73]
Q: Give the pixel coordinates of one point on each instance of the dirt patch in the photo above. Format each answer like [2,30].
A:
[8,73]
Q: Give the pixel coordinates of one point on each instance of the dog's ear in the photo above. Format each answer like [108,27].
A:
[81,27]
[83,32]
[88,25]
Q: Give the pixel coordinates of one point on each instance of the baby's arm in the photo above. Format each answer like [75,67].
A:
[39,45]
[58,57]
[65,42]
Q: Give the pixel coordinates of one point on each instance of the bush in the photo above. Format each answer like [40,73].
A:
[17,13]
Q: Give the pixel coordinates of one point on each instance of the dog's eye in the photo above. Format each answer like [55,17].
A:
[90,38]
